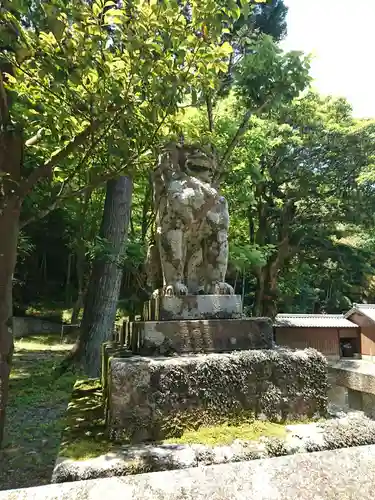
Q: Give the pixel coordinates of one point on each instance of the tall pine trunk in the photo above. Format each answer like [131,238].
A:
[104,286]
[11,147]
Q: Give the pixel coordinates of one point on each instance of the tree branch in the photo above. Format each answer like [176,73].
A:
[35,139]
[45,170]
[75,97]
[72,194]
[209,112]
[240,132]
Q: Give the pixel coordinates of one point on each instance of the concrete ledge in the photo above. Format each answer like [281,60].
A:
[358,375]
[194,336]
[157,398]
[353,429]
[347,474]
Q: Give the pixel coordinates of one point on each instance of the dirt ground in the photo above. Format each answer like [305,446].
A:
[37,404]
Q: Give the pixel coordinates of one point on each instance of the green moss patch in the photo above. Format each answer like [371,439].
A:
[226,433]
[84,434]
[85,448]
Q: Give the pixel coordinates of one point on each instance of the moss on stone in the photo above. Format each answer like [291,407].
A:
[167,397]
[227,433]
[85,448]
[87,385]
[84,434]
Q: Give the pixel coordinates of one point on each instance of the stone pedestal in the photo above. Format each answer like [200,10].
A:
[193,307]
[148,396]
[198,324]
[193,336]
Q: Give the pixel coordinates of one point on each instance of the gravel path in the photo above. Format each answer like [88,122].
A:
[37,403]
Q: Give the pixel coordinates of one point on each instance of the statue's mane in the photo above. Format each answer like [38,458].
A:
[183,155]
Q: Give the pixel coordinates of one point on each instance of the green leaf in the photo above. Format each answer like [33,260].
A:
[97,8]
[57,27]
[226,49]
[22,53]
[114,16]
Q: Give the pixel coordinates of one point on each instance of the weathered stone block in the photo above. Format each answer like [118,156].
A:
[110,349]
[193,307]
[357,375]
[355,400]
[193,336]
[154,398]
[368,404]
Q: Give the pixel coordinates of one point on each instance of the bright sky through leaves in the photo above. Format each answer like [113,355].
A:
[341,36]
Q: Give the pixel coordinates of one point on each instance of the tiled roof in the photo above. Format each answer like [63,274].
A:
[313,321]
[366,309]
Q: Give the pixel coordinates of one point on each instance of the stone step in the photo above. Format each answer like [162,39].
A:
[346,474]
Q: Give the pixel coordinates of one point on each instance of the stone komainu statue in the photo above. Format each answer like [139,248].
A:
[190,253]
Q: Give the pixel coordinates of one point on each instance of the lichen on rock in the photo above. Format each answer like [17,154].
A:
[165,396]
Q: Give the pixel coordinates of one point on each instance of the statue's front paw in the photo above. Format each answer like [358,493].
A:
[222,288]
[175,290]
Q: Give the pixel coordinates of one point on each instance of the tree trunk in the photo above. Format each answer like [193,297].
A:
[104,286]
[9,221]
[146,209]
[68,297]
[80,268]
[266,293]
[259,294]
[80,251]
[11,145]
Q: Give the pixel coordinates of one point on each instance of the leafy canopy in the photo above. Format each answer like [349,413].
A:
[81,75]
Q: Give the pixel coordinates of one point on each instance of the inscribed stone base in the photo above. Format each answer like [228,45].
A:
[193,336]
[193,307]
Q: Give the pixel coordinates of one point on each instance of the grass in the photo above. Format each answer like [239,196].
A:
[56,311]
[226,434]
[35,412]
[53,311]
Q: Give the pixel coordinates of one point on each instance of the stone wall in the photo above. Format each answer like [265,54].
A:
[155,398]
[22,327]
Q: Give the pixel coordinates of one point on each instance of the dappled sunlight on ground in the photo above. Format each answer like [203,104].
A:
[37,403]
